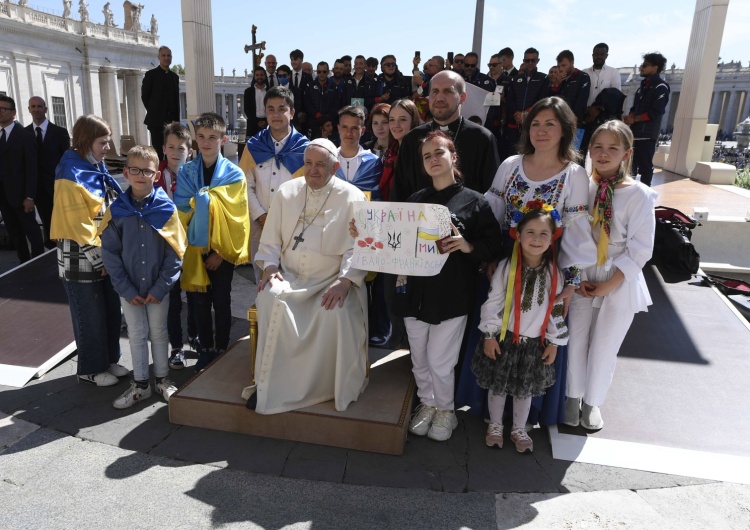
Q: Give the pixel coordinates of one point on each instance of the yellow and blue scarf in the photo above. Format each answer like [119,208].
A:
[602,215]
[261,147]
[158,211]
[216,218]
[80,190]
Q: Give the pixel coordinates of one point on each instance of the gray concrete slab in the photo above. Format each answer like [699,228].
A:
[13,430]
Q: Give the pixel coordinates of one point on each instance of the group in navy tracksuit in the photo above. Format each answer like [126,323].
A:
[649,106]
[322,102]
[523,91]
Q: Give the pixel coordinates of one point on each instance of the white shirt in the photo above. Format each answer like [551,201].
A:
[350,165]
[263,181]
[607,77]
[260,109]
[7,129]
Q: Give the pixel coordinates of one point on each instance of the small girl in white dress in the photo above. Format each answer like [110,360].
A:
[614,289]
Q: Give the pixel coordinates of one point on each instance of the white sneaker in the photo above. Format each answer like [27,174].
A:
[591,417]
[166,388]
[102,379]
[422,419]
[572,411]
[132,396]
[118,370]
[442,426]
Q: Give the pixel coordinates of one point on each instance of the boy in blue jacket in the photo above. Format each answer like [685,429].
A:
[143,243]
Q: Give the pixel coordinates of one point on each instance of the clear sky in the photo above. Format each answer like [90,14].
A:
[325,30]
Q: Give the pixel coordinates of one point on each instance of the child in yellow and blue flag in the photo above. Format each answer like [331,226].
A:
[84,189]
[143,243]
[211,197]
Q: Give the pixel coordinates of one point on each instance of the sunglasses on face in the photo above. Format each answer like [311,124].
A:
[389,65]
[468,65]
[531,60]
[322,71]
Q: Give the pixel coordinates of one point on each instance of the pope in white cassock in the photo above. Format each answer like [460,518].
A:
[312,305]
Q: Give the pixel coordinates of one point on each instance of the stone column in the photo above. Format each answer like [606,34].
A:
[716,103]
[730,120]
[132,102]
[197,38]
[92,98]
[697,86]
[746,107]
[111,103]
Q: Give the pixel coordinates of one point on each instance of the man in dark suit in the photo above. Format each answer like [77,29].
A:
[160,93]
[51,142]
[254,109]
[299,83]
[18,181]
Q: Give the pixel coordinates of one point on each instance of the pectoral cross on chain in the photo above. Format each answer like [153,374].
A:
[297,240]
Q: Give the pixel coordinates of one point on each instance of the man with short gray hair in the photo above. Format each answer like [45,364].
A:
[312,305]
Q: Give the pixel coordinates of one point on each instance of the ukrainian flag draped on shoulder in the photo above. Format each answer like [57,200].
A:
[216,217]
[261,147]
[158,211]
[80,190]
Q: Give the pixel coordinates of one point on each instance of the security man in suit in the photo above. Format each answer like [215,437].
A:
[160,94]
[51,142]
[18,182]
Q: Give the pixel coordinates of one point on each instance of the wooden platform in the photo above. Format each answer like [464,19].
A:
[376,422]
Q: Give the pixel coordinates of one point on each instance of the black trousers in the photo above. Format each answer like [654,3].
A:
[643,159]
[21,226]
[219,296]
[157,141]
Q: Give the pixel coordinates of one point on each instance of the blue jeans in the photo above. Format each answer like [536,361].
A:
[95,309]
[147,322]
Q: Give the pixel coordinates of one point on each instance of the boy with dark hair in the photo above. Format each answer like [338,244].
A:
[177,149]
[574,86]
[645,115]
[211,197]
[142,247]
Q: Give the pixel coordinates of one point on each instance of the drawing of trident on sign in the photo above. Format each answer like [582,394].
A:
[394,240]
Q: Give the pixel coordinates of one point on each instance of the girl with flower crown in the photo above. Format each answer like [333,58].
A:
[613,289]
[522,324]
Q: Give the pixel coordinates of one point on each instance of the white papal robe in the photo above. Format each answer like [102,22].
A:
[307,354]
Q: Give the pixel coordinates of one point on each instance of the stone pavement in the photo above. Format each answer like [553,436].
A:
[68,459]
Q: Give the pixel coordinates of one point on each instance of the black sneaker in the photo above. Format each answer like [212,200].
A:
[177,360]
[204,359]
[194,344]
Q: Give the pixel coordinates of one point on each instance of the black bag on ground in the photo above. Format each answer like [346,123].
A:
[672,246]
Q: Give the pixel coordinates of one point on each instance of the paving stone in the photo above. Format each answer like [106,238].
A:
[316,462]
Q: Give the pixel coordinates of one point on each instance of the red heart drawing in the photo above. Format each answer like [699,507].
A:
[379,245]
[369,240]
[361,243]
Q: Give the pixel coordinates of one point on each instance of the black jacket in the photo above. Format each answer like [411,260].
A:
[523,92]
[160,94]
[450,294]
[477,155]
[398,88]
[367,90]
[575,91]
[19,166]
[650,102]
[56,142]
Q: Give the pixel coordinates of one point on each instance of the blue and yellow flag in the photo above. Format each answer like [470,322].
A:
[80,190]
[158,211]
[428,234]
[216,218]
[261,147]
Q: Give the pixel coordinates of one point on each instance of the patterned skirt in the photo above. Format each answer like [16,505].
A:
[518,371]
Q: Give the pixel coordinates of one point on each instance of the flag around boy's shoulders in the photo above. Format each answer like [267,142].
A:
[261,148]
[80,189]
[216,218]
[158,211]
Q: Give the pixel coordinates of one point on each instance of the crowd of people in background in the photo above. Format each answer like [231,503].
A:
[528,271]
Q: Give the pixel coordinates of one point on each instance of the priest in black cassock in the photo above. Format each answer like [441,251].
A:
[475,145]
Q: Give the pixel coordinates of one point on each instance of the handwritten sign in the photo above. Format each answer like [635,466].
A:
[400,237]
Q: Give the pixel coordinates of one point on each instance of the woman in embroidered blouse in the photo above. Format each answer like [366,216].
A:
[546,170]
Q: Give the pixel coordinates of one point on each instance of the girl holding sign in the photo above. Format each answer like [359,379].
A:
[435,308]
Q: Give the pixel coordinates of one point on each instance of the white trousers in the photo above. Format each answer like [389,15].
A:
[147,323]
[596,335]
[434,354]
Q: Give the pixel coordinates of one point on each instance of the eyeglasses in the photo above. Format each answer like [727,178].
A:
[148,173]
[472,65]
[531,60]
[389,65]
[493,65]
[6,108]
[322,71]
